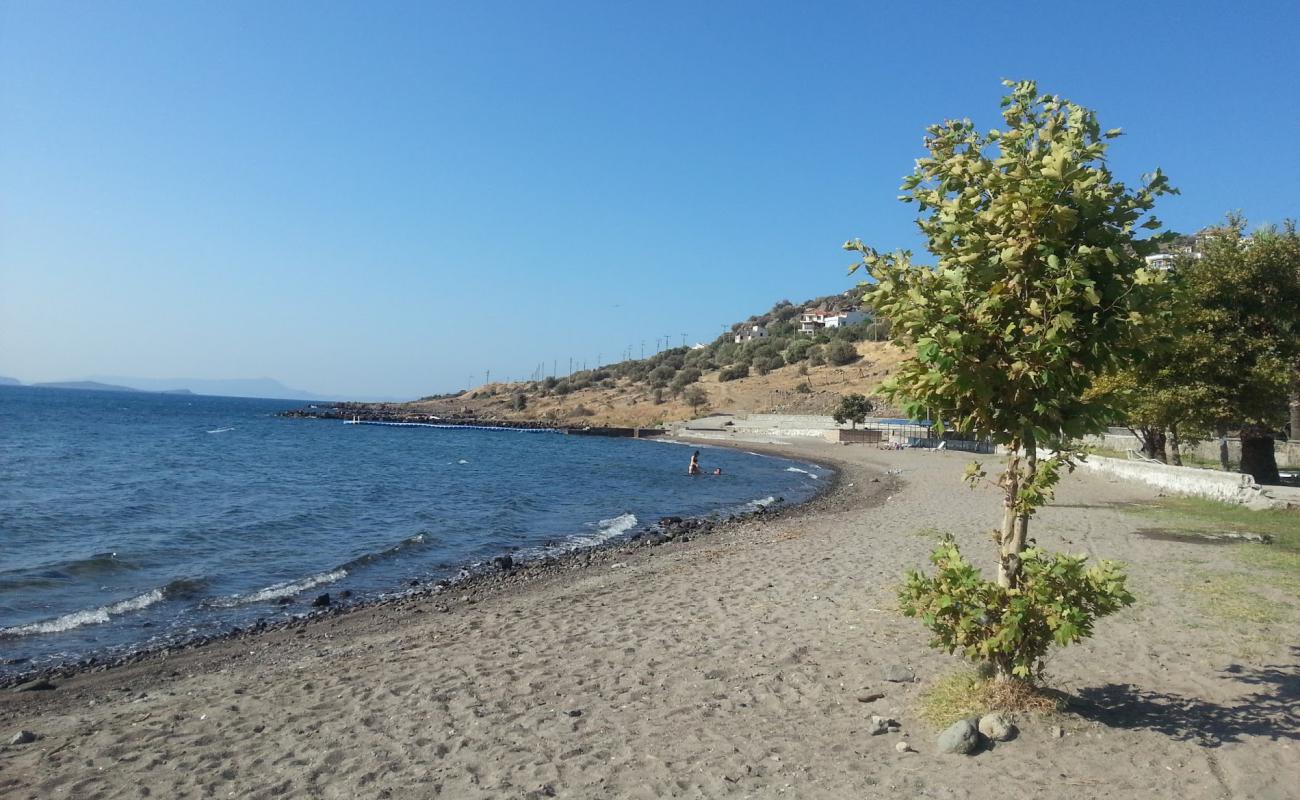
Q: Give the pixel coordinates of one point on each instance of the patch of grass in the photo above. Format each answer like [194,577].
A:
[1250,601]
[972,693]
[1232,597]
[928,533]
[1280,561]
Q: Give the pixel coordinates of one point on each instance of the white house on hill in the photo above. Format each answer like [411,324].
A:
[750,333]
[816,319]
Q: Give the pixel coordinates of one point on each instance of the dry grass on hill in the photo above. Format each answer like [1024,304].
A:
[633,404]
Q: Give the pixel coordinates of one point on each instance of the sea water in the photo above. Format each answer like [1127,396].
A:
[134,519]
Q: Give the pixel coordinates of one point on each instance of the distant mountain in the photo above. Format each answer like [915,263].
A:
[9,381]
[84,385]
[231,387]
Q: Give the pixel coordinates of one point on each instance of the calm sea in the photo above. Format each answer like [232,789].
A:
[137,519]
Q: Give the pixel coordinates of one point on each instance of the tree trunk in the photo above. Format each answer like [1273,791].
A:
[1146,436]
[1158,445]
[1258,459]
[1175,456]
[1008,557]
[1295,416]
[1222,433]
[1015,522]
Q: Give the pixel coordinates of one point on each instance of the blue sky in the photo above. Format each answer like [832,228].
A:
[381,199]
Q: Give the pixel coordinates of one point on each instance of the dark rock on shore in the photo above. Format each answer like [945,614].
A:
[321,601]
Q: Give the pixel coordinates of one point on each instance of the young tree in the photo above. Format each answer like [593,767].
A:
[1039,287]
[853,408]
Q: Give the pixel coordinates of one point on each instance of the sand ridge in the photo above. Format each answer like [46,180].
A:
[731,665]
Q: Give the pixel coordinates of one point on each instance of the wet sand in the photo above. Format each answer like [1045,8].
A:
[729,665]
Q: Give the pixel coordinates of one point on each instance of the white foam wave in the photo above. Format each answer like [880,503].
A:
[221,430]
[285,589]
[94,616]
[605,530]
[804,471]
[764,503]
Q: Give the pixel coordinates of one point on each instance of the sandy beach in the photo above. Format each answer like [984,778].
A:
[739,664]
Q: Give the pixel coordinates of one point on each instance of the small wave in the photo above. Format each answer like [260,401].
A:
[804,471]
[97,564]
[221,430]
[417,540]
[177,589]
[764,503]
[462,461]
[277,590]
[605,530]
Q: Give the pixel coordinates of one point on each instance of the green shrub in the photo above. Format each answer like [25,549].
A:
[1057,602]
[841,352]
[798,350]
[817,355]
[661,375]
[520,402]
[804,388]
[733,372]
[696,396]
[685,378]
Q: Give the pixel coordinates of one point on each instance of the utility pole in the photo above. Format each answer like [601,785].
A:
[643,348]
[487,378]
[570,366]
[683,340]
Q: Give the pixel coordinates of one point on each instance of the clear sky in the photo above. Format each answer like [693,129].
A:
[385,198]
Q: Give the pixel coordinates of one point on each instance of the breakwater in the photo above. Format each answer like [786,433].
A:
[365,414]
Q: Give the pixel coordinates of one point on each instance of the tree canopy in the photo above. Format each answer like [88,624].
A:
[1040,283]
[853,408]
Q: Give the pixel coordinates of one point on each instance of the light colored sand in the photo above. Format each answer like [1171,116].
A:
[729,666]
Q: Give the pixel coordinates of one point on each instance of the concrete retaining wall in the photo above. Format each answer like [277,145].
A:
[1227,487]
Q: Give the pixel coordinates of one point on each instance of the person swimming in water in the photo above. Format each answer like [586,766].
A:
[717,470]
[694,468]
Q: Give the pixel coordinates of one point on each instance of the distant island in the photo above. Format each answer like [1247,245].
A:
[268,388]
[93,386]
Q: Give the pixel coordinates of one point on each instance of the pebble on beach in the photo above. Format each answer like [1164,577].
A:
[23,737]
[897,673]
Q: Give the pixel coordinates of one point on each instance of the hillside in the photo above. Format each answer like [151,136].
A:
[797,388]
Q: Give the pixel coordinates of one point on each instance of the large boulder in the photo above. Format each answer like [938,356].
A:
[997,727]
[960,737]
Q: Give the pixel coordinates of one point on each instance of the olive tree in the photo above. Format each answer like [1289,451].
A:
[853,408]
[1038,288]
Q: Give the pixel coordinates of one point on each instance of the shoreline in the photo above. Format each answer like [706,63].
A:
[496,573]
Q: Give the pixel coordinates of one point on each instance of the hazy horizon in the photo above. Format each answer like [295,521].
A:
[393,201]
